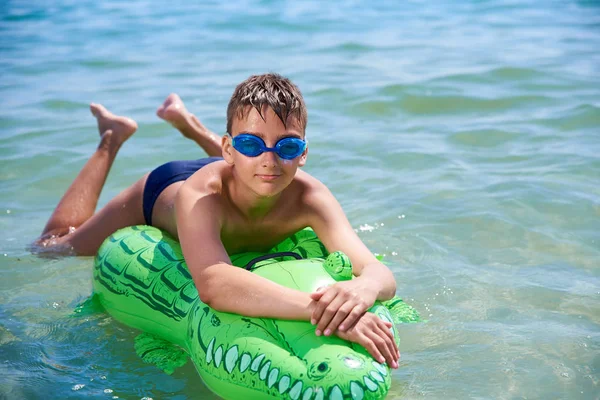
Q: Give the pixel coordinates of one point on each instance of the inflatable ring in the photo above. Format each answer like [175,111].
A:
[141,279]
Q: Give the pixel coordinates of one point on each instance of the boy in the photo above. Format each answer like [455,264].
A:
[249,200]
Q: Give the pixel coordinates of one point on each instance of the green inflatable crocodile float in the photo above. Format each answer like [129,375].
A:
[141,279]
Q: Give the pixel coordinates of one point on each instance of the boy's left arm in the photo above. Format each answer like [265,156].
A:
[340,305]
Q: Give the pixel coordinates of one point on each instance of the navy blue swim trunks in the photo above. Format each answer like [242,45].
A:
[166,174]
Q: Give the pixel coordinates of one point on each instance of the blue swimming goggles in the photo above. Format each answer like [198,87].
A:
[252,146]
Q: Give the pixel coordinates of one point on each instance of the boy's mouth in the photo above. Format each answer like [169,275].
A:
[267,177]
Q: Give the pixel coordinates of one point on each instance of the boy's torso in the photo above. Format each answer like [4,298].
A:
[239,233]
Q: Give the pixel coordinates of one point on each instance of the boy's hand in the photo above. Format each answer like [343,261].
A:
[341,305]
[375,335]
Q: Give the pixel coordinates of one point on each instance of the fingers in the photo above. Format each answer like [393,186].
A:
[382,338]
[375,336]
[384,346]
[390,342]
[357,312]
[326,298]
[316,295]
[386,327]
[372,348]
[328,316]
[340,315]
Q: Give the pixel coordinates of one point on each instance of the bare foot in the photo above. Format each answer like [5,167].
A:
[174,112]
[109,124]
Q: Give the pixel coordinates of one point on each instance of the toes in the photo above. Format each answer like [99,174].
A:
[95,108]
[99,111]
[172,100]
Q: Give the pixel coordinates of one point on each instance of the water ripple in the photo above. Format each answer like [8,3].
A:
[460,137]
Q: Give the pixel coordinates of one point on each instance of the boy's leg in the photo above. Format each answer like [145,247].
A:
[173,111]
[123,210]
[79,202]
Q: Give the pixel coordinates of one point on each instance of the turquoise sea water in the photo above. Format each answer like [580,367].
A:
[462,139]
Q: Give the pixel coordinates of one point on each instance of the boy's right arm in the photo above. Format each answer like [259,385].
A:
[231,289]
[221,285]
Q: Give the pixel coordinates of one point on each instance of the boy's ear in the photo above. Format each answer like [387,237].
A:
[303,157]
[227,149]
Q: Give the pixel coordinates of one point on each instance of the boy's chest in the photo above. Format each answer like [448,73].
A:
[240,237]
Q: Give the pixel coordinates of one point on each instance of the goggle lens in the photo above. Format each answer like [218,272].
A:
[290,148]
[247,146]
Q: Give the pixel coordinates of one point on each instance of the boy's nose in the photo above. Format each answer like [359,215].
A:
[270,158]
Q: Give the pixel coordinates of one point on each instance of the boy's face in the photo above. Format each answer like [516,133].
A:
[266,174]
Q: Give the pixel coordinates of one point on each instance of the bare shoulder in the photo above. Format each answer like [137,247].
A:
[201,197]
[207,180]
[315,202]
[314,194]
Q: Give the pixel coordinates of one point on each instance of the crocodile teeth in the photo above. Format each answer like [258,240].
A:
[385,318]
[263,371]
[336,393]
[307,394]
[381,368]
[372,386]
[245,362]
[231,358]
[218,356]
[272,377]
[377,376]
[319,394]
[296,390]
[356,391]
[256,363]
[284,384]
[209,351]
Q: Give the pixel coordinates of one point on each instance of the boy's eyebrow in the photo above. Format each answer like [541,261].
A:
[285,135]
[259,134]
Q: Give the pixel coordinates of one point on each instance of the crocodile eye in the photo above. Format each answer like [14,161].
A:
[322,367]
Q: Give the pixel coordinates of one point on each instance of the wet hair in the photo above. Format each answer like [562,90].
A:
[267,90]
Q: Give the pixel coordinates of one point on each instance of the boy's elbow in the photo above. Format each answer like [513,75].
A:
[392,289]
[211,288]
[205,285]
[388,290]
[205,296]
[210,297]
[216,301]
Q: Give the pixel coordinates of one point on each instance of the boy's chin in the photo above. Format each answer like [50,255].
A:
[267,193]
[267,190]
